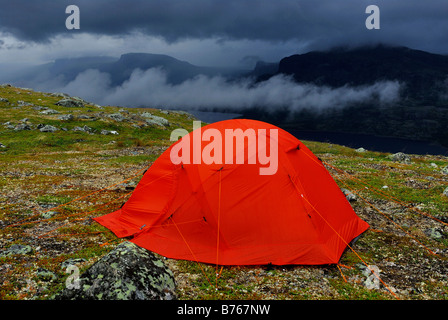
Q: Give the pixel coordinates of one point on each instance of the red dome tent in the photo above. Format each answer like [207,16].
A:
[229,213]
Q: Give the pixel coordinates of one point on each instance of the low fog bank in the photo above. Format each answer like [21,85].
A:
[150,88]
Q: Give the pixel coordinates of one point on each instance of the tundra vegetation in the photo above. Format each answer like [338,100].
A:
[64,163]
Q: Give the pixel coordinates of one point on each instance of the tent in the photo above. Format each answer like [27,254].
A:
[228,211]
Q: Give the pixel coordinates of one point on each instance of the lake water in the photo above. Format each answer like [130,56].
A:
[372,143]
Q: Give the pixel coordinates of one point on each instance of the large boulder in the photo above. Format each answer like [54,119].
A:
[48,128]
[117,117]
[70,103]
[155,120]
[128,272]
[16,249]
[400,157]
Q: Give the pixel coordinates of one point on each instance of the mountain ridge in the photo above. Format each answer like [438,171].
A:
[119,68]
[421,71]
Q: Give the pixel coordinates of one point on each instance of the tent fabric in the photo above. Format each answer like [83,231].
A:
[230,214]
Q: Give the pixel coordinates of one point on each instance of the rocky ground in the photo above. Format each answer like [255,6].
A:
[54,181]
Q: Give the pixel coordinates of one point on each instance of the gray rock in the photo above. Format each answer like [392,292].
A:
[2,145]
[117,117]
[108,132]
[66,117]
[8,125]
[22,127]
[444,170]
[49,214]
[360,150]
[434,233]
[17,249]
[155,120]
[349,195]
[180,112]
[4,100]
[49,111]
[86,117]
[400,157]
[70,103]
[72,262]
[84,129]
[45,275]
[39,108]
[48,128]
[21,103]
[88,129]
[128,272]
[445,192]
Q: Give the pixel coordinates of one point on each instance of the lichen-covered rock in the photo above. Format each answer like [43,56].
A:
[349,195]
[49,112]
[70,103]
[66,117]
[128,272]
[445,170]
[21,127]
[17,249]
[45,275]
[48,128]
[155,120]
[400,157]
[117,117]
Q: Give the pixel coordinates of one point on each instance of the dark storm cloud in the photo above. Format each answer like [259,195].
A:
[172,20]
[329,22]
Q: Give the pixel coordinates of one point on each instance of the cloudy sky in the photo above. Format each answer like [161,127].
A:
[210,33]
[213,32]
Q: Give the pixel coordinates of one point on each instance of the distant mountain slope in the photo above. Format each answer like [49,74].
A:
[177,71]
[61,71]
[120,69]
[264,69]
[424,73]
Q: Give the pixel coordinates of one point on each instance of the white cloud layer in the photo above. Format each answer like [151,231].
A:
[150,89]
